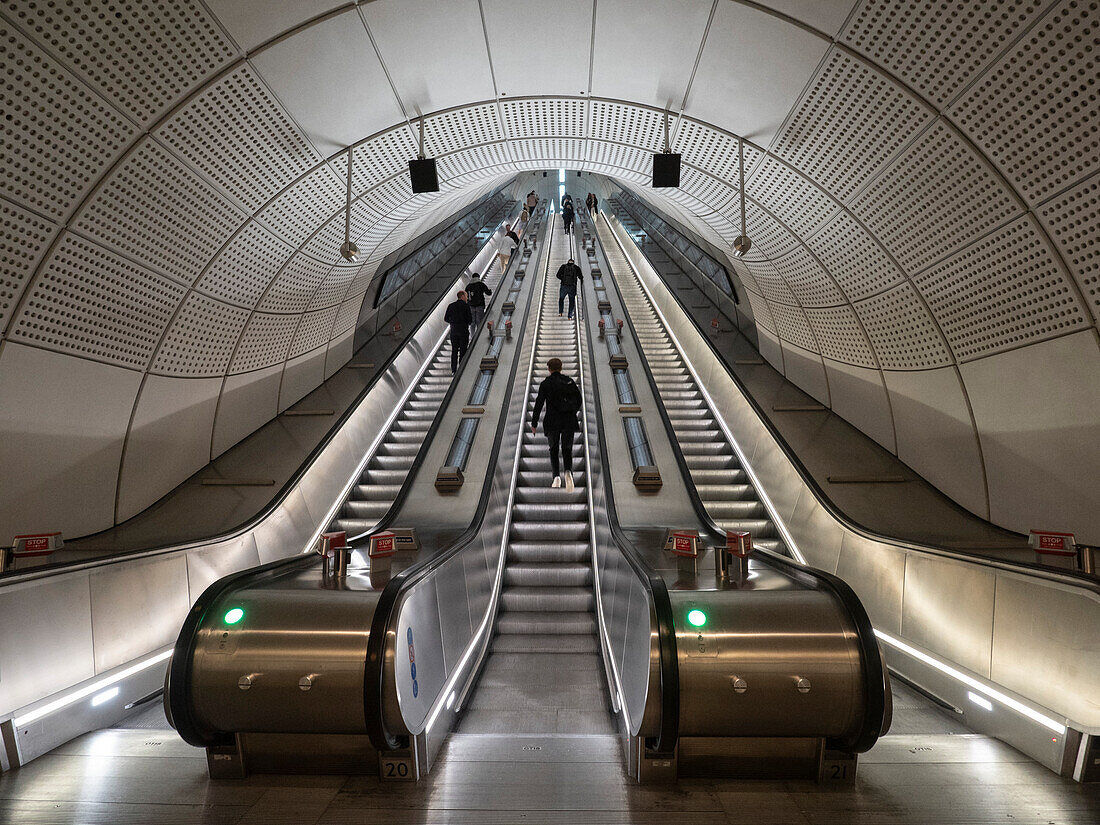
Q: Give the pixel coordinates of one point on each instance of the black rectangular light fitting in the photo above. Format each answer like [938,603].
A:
[423,175]
[666,170]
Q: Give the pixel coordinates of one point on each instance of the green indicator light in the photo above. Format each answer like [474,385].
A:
[233,615]
[697,618]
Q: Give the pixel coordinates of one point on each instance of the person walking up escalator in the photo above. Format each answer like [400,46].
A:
[562,398]
[458,315]
[570,275]
[476,292]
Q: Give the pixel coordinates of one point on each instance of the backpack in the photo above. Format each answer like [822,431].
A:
[568,399]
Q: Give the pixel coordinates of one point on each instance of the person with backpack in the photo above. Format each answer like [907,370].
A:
[532,201]
[570,275]
[562,398]
[476,292]
[567,216]
[460,318]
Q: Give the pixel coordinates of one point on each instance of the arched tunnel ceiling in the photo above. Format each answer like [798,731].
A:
[922,187]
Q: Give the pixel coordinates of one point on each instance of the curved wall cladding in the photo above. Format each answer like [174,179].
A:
[928,203]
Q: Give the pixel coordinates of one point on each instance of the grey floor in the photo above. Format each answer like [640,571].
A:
[928,770]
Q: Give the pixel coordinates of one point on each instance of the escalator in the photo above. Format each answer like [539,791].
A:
[716,471]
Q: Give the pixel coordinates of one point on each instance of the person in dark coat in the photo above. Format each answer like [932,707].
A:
[532,201]
[476,292]
[591,202]
[458,315]
[567,216]
[562,398]
[570,275]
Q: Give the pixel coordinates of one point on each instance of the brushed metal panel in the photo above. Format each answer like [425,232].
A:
[935,434]
[859,397]
[62,424]
[169,439]
[53,646]
[301,375]
[948,607]
[813,528]
[1058,669]
[417,688]
[876,571]
[137,608]
[806,371]
[453,609]
[208,564]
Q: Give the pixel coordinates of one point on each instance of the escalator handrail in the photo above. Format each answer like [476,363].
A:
[278,499]
[178,681]
[874,674]
[1069,577]
[669,732]
[374,669]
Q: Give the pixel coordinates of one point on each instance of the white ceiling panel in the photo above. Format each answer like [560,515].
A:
[540,65]
[438,61]
[826,15]
[741,85]
[667,32]
[250,28]
[329,79]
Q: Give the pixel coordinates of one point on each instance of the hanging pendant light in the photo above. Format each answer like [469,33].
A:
[742,243]
[349,251]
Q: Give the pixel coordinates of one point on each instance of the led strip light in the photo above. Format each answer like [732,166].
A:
[981,688]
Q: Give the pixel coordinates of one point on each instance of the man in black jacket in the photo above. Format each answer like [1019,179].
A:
[562,398]
[458,315]
[476,291]
[570,275]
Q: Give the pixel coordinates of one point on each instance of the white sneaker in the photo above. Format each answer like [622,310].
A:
[556,482]
[569,482]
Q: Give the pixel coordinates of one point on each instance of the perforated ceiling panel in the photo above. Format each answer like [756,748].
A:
[201,339]
[1034,112]
[1002,292]
[157,210]
[41,165]
[89,302]
[840,336]
[243,269]
[760,312]
[962,200]
[613,156]
[24,238]
[769,238]
[807,279]
[377,159]
[325,245]
[347,316]
[789,196]
[1072,219]
[708,190]
[293,215]
[544,117]
[859,264]
[141,54]
[771,283]
[705,147]
[479,162]
[631,125]
[314,330]
[933,46]
[237,134]
[295,285]
[550,152]
[334,287]
[829,135]
[265,342]
[792,326]
[462,128]
[901,330]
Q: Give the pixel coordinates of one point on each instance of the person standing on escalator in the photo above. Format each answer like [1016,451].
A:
[567,217]
[459,317]
[476,292]
[562,398]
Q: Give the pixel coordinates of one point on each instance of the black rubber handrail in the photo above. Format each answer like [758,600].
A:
[374,667]
[1072,577]
[874,675]
[178,684]
[669,733]
[264,512]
